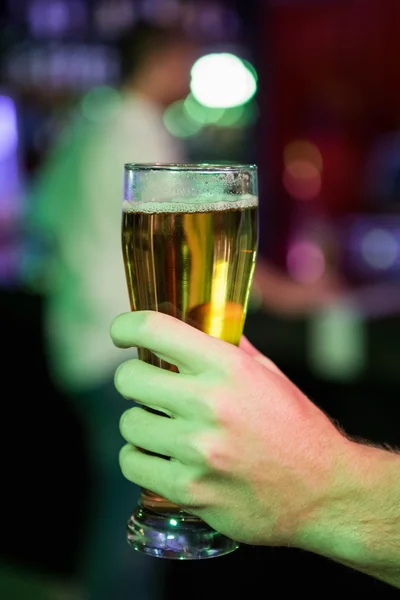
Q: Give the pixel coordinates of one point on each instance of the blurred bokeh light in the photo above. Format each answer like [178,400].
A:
[222,80]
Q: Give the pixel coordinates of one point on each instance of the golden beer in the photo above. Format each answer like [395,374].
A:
[196,265]
[195,262]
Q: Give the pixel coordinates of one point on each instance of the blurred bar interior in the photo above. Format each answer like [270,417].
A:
[310,91]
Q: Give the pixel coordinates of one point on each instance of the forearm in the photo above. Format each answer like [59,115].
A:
[359,524]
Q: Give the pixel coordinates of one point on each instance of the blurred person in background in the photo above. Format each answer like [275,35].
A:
[275,292]
[76,204]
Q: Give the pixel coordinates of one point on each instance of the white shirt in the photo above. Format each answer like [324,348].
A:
[79,201]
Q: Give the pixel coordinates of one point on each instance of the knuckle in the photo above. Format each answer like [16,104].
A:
[186,494]
[213,454]
[234,362]
[226,411]
[207,404]
[240,363]
[200,447]
[220,459]
[219,406]
[193,449]
[181,490]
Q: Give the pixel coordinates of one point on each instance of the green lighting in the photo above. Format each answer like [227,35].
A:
[178,121]
[173,522]
[195,111]
[223,80]
[214,115]
[250,67]
[100,103]
[232,116]
[235,116]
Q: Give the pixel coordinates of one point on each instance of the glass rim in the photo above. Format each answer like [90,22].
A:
[195,167]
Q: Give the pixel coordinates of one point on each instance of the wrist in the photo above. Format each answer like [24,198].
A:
[358,512]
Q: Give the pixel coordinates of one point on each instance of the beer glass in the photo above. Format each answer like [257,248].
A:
[189,238]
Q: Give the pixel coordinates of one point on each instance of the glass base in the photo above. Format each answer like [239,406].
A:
[180,537]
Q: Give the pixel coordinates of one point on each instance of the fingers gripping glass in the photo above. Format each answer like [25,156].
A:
[189,239]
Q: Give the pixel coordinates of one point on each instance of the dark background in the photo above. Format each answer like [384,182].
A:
[306,53]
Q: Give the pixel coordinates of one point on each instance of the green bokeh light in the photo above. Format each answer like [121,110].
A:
[185,119]
[235,116]
[178,122]
[232,117]
[195,111]
[223,80]
[251,68]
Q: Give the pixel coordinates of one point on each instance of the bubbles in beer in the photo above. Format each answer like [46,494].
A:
[193,205]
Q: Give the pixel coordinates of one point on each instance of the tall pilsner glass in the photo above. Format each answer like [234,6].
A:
[189,237]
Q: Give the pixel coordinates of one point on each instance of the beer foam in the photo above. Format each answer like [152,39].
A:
[201,204]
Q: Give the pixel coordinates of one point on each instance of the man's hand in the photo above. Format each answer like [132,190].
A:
[250,454]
